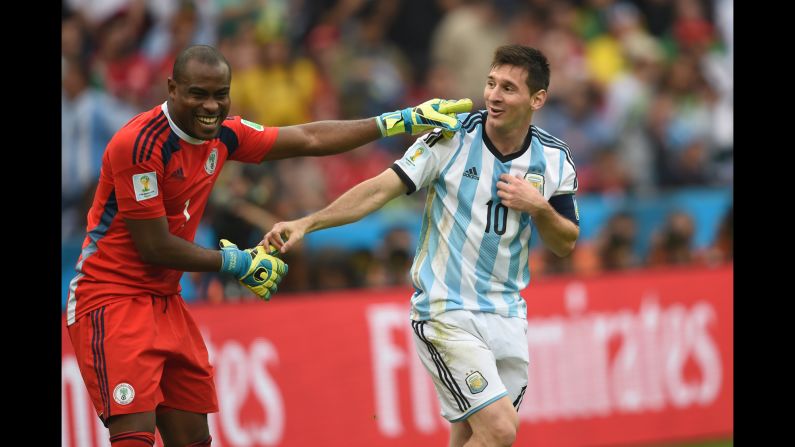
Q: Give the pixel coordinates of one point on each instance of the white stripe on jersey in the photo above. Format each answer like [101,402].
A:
[473,251]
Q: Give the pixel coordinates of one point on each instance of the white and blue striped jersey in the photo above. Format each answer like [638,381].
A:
[472,251]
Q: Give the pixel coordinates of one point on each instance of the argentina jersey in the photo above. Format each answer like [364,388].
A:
[472,251]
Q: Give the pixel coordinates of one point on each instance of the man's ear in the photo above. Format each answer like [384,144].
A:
[172,88]
[538,99]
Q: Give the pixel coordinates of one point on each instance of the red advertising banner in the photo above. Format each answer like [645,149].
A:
[632,358]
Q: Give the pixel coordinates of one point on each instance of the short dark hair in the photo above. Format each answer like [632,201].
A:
[201,53]
[528,58]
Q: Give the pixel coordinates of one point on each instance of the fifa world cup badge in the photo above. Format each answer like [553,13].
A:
[417,153]
[145,186]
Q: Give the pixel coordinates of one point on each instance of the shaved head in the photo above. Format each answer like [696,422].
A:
[201,53]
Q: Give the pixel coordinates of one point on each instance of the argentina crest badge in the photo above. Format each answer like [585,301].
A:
[537,180]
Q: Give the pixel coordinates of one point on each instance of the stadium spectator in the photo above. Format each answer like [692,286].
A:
[139,351]
[472,28]
[119,65]
[89,117]
[488,182]
[722,248]
[673,243]
[615,245]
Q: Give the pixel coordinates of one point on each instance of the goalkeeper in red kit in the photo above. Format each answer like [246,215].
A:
[140,353]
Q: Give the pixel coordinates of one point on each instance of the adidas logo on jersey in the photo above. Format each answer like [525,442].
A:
[178,174]
[472,173]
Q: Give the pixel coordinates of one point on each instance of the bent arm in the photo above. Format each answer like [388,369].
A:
[157,246]
[558,233]
[323,138]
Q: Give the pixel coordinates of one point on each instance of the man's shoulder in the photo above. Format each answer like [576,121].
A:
[137,139]
[471,120]
[548,140]
[141,125]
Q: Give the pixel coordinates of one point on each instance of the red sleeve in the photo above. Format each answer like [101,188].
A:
[254,141]
[137,184]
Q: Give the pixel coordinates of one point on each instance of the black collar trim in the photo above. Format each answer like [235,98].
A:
[512,156]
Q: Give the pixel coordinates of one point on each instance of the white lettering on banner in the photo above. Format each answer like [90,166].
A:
[212,418]
[236,374]
[594,364]
[265,388]
[79,421]
[389,360]
[79,411]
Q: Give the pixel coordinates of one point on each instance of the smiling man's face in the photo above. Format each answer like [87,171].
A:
[199,101]
[508,99]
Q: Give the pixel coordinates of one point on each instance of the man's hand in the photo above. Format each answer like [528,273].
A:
[424,117]
[294,230]
[255,268]
[518,194]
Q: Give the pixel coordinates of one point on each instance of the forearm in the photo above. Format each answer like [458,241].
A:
[178,254]
[558,233]
[333,137]
[356,203]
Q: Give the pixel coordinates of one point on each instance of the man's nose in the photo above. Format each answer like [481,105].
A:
[211,105]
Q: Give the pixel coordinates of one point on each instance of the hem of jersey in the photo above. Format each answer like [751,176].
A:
[421,317]
[480,407]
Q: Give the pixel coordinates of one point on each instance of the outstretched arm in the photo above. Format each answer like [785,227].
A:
[322,138]
[332,137]
[354,204]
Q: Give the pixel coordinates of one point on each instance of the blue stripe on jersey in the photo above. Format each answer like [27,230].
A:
[538,165]
[169,147]
[154,142]
[433,208]
[152,122]
[427,277]
[111,208]
[557,143]
[538,162]
[560,168]
[489,245]
[463,216]
[515,250]
[469,118]
[156,128]
[97,233]
[229,138]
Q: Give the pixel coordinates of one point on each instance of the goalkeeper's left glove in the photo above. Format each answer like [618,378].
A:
[424,117]
[255,268]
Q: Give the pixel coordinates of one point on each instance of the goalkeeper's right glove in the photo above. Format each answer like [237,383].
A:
[256,269]
[424,117]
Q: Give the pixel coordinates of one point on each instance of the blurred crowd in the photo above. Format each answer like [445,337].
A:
[641,90]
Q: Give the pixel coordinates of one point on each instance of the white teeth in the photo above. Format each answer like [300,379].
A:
[207,120]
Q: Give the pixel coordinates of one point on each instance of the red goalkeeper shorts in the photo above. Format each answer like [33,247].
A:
[138,353]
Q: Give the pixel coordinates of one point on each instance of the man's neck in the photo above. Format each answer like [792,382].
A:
[507,141]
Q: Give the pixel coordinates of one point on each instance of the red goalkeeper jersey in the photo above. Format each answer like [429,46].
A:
[150,169]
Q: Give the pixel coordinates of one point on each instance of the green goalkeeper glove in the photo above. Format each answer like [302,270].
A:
[424,117]
[256,269]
